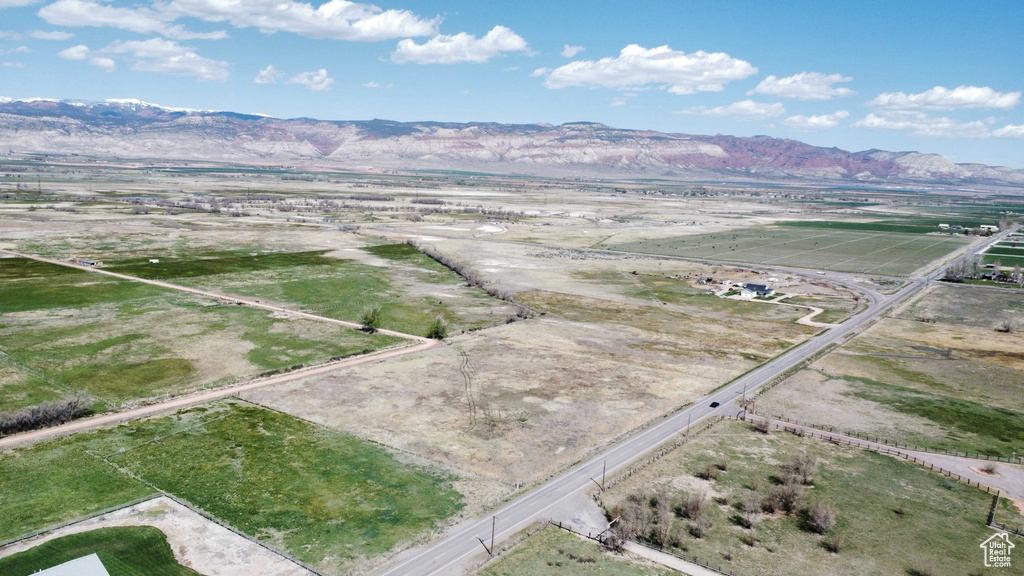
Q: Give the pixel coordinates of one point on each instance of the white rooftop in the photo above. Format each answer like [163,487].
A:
[85,566]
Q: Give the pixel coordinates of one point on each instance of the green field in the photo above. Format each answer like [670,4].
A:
[123,550]
[892,517]
[554,552]
[66,331]
[890,250]
[326,497]
[58,481]
[338,288]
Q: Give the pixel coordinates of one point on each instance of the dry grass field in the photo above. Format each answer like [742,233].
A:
[935,373]
[889,516]
[587,344]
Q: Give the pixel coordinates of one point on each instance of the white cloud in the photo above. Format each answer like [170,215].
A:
[16,3]
[336,19]
[139,20]
[268,75]
[461,47]
[51,35]
[619,101]
[17,50]
[637,67]
[12,64]
[745,110]
[8,35]
[154,55]
[940,98]
[820,122]
[540,72]
[317,81]
[804,86]
[103,62]
[372,84]
[1009,131]
[923,125]
[570,51]
[82,52]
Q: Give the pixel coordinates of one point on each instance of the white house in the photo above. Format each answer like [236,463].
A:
[752,290]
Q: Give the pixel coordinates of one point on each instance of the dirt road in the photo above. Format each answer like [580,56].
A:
[421,344]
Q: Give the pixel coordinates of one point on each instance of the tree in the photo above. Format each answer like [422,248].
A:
[371,318]
[964,269]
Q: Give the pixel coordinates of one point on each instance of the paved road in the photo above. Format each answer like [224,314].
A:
[461,543]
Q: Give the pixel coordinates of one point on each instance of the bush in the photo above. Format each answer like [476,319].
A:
[371,318]
[709,472]
[700,527]
[785,498]
[821,516]
[833,543]
[44,415]
[438,329]
[693,506]
[762,426]
[802,469]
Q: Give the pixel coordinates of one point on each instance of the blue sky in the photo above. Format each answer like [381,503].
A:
[932,76]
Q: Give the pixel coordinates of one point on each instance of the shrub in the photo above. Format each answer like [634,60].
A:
[694,506]
[833,543]
[785,498]
[821,516]
[700,527]
[802,469]
[708,472]
[752,504]
[371,318]
[43,415]
[762,426]
[438,329]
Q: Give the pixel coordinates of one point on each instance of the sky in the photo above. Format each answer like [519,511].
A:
[932,76]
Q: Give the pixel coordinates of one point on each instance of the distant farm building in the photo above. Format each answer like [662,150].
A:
[752,290]
[944,226]
[989,228]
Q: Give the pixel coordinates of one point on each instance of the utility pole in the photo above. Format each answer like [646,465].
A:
[490,550]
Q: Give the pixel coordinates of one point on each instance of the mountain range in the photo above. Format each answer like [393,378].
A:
[128,129]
